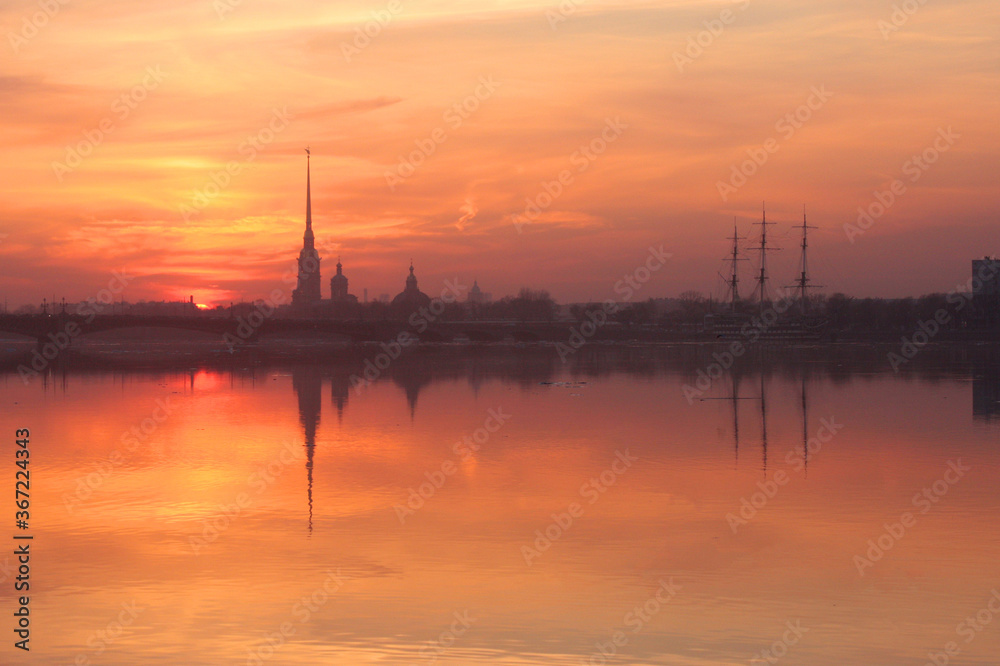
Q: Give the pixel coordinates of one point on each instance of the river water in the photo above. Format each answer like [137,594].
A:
[505,507]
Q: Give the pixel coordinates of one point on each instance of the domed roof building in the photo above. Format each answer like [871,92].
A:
[477,295]
[411,298]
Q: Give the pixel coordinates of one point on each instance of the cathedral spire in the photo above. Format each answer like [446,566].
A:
[309,238]
[308,291]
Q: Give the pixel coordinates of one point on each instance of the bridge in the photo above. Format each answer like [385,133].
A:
[62,328]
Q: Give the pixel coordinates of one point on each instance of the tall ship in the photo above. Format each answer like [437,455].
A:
[763,316]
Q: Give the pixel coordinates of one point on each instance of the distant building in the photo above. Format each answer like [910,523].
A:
[411,298]
[338,287]
[308,292]
[144,308]
[477,296]
[986,290]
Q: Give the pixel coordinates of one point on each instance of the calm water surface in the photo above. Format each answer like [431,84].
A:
[274,515]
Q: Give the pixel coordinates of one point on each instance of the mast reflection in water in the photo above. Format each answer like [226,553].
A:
[333,511]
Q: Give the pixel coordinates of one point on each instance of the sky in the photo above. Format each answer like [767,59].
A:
[521,143]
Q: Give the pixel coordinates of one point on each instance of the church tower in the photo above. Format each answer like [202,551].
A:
[308,289]
[338,284]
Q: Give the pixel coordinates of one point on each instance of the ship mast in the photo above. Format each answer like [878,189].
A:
[802,283]
[734,279]
[763,248]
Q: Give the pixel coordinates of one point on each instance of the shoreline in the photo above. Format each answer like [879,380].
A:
[850,355]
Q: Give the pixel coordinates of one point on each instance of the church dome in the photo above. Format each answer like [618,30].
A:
[338,285]
[411,298]
[339,278]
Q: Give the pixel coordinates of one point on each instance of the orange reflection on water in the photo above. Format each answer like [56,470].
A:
[259,486]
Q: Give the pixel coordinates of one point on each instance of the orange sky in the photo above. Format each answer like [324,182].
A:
[211,74]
